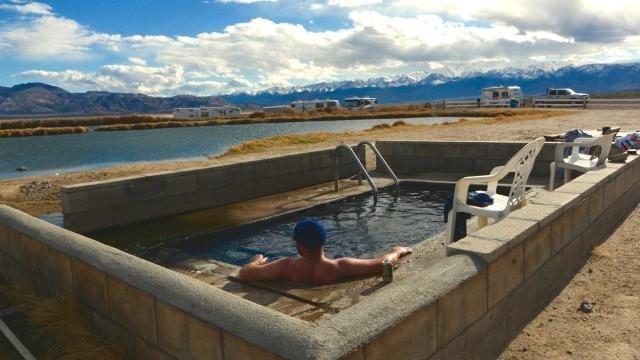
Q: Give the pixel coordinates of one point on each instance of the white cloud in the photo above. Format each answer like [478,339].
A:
[137,61]
[35,8]
[387,38]
[352,3]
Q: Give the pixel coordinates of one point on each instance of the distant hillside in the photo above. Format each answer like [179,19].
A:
[38,98]
[595,78]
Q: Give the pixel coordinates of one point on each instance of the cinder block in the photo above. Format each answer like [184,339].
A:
[574,256]
[503,151]
[471,150]
[505,274]
[413,338]
[186,337]
[128,213]
[561,232]
[609,196]
[548,153]
[56,270]
[580,217]
[550,283]
[146,351]
[90,285]
[182,184]
[540,169]
[544,214]
[597,231]
[487,249]
[292,164]
[145,189]
[242,173]
[487,337]
[11,244]
[508,229]
[484,166]
[583,189]
[445,150]
[238,349]
[404,149]
[74,202]
[114,333]
[461,307]
[265,169]
[454,350]
[33,254]
[596,203]
[537,250]
[214,178]
[89,220]
[522,305]
[108,196]
[620,188]
[133,309]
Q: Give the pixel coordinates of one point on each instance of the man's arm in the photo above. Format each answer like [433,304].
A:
[351,267]
[259,269]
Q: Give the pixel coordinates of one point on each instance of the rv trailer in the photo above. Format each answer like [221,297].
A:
[206,112]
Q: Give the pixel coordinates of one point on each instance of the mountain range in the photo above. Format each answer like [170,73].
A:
[39,98]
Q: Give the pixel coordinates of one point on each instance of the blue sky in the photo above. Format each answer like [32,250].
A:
[217,46]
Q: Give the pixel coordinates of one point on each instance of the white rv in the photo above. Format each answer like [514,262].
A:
[360,103]
[313,105]
[500,95]
[206,112]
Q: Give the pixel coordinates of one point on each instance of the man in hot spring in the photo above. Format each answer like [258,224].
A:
[312,267]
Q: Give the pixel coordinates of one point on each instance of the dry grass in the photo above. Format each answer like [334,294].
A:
[499,116]
[60,321]
[282,140]
[82,121]
[41,131]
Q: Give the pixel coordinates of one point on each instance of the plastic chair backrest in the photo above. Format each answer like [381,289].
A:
[521,165]
[605,147]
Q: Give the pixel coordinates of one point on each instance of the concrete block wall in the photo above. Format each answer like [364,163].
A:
[467,157]
[92,206]
[468,305]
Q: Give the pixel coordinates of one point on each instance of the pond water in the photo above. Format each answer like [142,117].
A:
[45,155]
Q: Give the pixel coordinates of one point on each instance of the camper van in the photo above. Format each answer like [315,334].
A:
[314,105]
[206,112]
[360,103]
[500,95]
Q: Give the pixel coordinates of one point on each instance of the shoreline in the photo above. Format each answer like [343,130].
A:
[60,126]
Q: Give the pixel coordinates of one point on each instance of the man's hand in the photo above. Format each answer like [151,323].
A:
[258,259]
[402,251]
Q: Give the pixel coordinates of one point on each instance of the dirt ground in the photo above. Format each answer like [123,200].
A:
[610,280]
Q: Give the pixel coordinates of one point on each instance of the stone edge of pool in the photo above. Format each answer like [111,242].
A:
[470,304]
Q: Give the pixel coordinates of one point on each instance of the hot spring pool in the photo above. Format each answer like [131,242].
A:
[355,227]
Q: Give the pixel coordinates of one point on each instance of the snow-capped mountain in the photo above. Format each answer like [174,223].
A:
[424,86]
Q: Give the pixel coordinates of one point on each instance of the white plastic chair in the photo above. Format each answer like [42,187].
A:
[520,164]
[577,161]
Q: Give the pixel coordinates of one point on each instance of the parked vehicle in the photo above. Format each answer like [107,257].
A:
[566,93]
[313,105]
[501,96]
[360,103]
[206,112]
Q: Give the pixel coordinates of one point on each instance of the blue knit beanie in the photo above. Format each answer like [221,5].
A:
[310,234]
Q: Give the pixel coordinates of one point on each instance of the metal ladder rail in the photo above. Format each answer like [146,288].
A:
[349,150]
[383,161]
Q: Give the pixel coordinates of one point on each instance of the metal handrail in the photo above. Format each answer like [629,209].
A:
[383,161]
[374,189]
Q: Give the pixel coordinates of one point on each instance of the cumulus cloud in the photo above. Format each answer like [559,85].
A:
[28,8]
[389,37]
